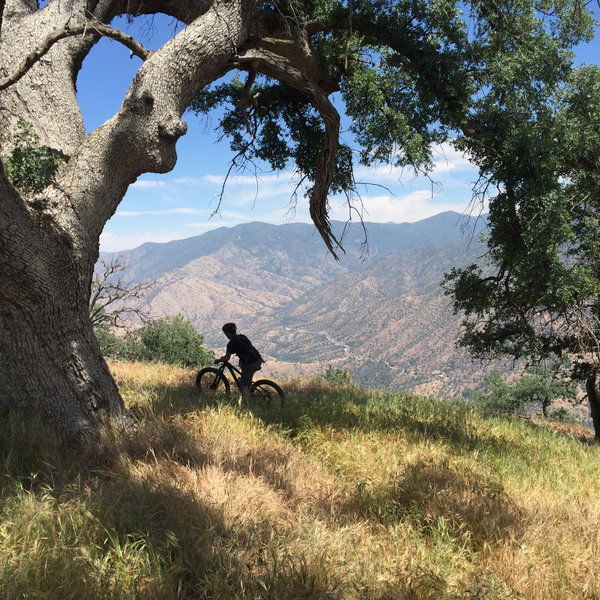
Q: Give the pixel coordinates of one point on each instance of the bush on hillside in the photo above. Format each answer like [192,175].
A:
[538,385]
[109,342]
[171,340]
[498,395]
[340,376]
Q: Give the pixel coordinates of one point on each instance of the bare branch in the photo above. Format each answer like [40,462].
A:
[109,289]
[238,167]
[69,31]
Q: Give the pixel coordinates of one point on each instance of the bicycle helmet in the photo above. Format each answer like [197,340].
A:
[229,328]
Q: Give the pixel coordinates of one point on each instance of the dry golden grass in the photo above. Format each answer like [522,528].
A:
[342,494]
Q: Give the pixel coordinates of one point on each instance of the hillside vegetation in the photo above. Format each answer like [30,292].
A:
[343,494]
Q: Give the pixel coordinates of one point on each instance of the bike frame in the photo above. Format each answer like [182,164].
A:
[234,372]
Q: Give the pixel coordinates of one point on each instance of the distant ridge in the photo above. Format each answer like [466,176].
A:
[382,313]
[152,259]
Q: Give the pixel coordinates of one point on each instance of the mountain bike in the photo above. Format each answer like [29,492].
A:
[212,381]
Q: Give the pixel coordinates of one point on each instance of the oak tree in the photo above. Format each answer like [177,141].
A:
[537,296]
[410,73]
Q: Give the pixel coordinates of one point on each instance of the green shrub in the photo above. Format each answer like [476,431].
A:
[109,342]
[539,384]
[332,375]
[171,340]
[498,395]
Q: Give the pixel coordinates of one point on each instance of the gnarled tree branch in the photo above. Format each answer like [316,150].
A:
[69,31]
[280,68]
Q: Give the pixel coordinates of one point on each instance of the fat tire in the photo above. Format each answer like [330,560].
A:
[266,393]
[206,378]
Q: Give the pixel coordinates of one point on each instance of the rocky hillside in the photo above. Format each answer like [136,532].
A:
[379,311]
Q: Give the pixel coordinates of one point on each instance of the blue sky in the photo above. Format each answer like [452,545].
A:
[182,203]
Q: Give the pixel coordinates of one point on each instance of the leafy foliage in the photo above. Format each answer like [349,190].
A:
[543,237]
[280,129]
[539,384]
[109,343]
[535,135]
[486,77]
[30,166]
[171,340]
[333,375]
[399,67]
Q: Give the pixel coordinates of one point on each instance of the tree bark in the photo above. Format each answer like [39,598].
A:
[592,386]
[50,361]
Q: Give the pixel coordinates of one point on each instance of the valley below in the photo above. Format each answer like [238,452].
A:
[380,311]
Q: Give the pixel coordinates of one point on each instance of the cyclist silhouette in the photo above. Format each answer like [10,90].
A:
[250,358]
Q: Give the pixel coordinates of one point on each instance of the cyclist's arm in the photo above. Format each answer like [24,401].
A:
[224,358]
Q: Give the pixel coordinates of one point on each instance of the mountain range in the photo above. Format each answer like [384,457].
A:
[379,311]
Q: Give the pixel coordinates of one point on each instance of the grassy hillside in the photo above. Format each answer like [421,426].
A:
[343,494]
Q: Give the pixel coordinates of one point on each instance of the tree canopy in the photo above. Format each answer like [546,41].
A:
[411,75]
[536,295]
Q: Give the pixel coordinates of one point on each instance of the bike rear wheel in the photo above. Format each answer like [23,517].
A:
[266,393]
[211,382]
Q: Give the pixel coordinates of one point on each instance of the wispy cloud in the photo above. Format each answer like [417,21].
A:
[244,179]
[110,242]
[445,159]
[167,211]
[412,207]
[148,183]
[189,180]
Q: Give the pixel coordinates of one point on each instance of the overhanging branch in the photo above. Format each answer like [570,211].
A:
[280,68]
[69,31]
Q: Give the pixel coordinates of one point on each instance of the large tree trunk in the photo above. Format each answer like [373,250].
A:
[593,391]
[49,358]
[50,361]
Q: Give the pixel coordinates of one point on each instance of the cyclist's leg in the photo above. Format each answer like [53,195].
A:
[246,378]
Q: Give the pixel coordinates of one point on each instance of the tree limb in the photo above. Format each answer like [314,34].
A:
[142,135]
[69,31]
[280,68]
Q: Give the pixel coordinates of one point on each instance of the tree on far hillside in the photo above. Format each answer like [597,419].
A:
[539,384]
[538,296]
[411,73]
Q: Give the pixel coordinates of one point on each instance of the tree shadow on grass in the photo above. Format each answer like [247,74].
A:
[466,508]
[137,527]
[419,418]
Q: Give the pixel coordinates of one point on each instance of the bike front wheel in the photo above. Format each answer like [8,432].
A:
[211,382]
[266,393]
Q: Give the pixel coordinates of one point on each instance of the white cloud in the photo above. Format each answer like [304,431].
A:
[412,207]
[147,183]
[110,242]
[189,180]
[445,159]
[244,180]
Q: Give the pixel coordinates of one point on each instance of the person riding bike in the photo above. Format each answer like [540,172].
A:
[250,358]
